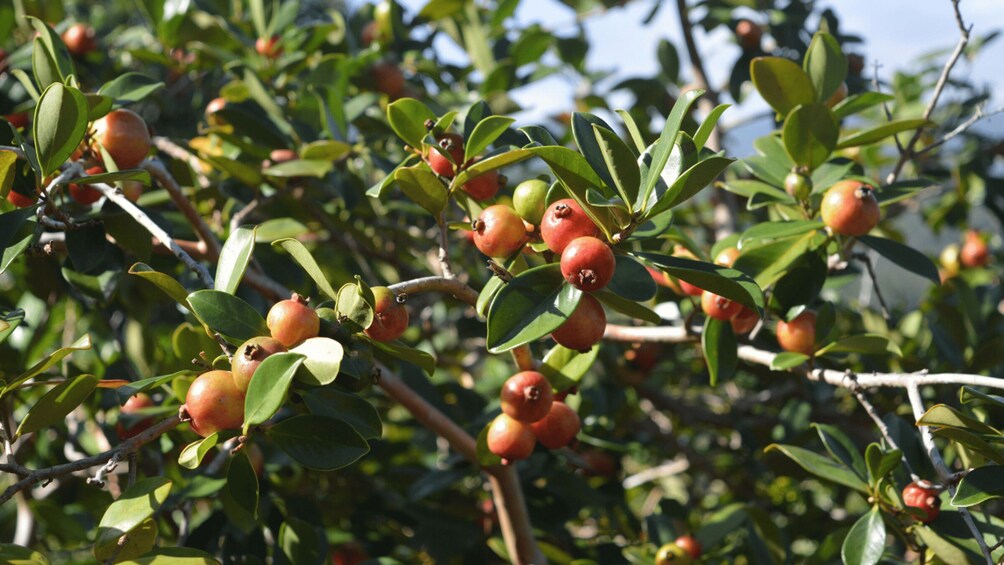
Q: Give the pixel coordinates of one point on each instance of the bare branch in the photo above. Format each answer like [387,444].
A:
[864,258]
[945,474]
[159,172]
[879,423]
[178,152]
[458,289]
[960,47]
[444,247]
[978,115]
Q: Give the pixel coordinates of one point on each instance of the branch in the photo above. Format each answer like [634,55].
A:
[159,172]
[444,249]
[454,287]
[908,153]
[864,258]
[917,403]
[750,354]
[124,448]
[155,230]
[978,115]
[178,152]
[880,424]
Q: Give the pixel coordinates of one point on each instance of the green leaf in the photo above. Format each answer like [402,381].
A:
[9,321]
[136,504]
[423,187]
[46,363]
[878,133]
[532,305]
[903,256]
[782,83]
[314,168]
[299,541]
[170,286]
[945,550]
[621,164]
[810,134]
[242,482]
[769,262]
[976,443]
[565,367]
[787,360]
[439,9]
[842,448]
[57,403]
[751,188]
[141,539]
[46,68]
[267,389]
[627,307]
[234,319]
[901,190]
[821,466]
[192,454]
[492,163]
[979,486]
[871,344]
[860,102]
[355,302]
[767,231]
[325,150]
[719,346]
[8,170]
[577,176]
[708,125]
[234,259]
[941,415]
[723,281]
[865,543]
[690,183]
[173,556]
[879,463]
[59,125]
[349,408]
[631,280]
[407,118]
[307,263]
[825,64]
[323,360]
[486,132]
[130,87]
[319,443]
[417,357]
[20,555]
[664,145]
[633,131]
[123,393]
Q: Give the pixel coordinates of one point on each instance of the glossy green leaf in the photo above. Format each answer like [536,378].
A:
[407,118]
[631,280]
[417,357]
[767,231]
[486,132]
[20,555]
[904,256]
[136,504]
[821,466]
[350,408]
[49,361]
[299,541]
[879,463]
[172,556]
[423,187]
[323,360]
[191,455]
[810,134]
[941,415]
[667,139]
[306,261]
[621,163]
[787,360]
[945,550]
[723,281]
[234,259]
[130,87]
[59,125]
[565,367]
[242,172]
[979,486]
[355,303]
[492,163]
[841,448]
[871,344]
[632,127]
[8,169]
[690,183]
[975,443]
[627,307]
[47,67]
[314,168]
[902,190]
[577,176]
[242,482]
[708,125]
[532,305]
[719,345]
[9,321]
[782,83]
[860,102]
[878,133]
[825,64]
[123,393]
[267,390]
[233,318]
[769,262]
[325,150]
[141,539]
[169,285]
[317,442]
[53,407]
[865,543]
[750,188]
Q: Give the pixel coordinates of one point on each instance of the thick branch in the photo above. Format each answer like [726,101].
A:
[126,447]
[917,403]
[159,172]
[454,287]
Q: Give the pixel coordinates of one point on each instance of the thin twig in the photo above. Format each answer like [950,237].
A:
[454,287]
[127,446]
[978,115]
[178,152]
[164,178]
[879,422]
[917,403]
[864,258]
[444,246]
[960,47]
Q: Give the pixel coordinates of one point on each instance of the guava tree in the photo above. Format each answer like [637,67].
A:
[282,282]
